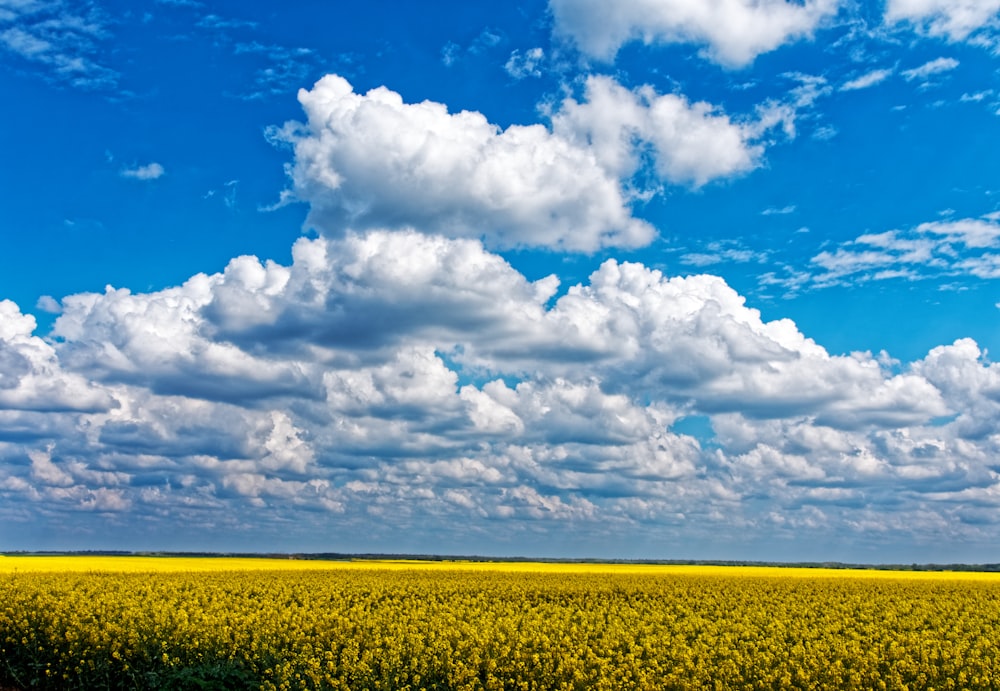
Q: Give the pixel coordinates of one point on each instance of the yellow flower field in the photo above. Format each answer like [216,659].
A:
[148,622]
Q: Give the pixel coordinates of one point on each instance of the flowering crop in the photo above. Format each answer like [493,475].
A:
[405,625]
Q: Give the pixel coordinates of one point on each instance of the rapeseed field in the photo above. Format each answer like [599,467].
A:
[167,623]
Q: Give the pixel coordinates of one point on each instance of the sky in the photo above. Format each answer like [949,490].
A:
[661,279]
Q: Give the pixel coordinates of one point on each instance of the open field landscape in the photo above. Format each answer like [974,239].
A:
[674,316]
[172,623]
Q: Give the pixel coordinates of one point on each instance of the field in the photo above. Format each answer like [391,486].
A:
[135,623]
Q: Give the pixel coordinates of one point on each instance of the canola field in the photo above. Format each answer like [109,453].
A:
[148,623]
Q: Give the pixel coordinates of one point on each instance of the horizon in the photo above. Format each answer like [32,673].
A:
[545,279]
[487,559]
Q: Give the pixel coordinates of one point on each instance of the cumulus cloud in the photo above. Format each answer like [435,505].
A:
[733,32]
[955,19]
[403,381]
[153,340]
[31,376]
[49,304]
[661,330]
[373,160]
[969,382]
[362,294]
[691,142]
[368,315]
[266,330]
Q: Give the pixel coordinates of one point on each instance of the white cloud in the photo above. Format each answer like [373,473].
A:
[526,64]
[733,32]
[24,44]
[368,293]
[364,318]
[46,472]
[64,38]
[929,69]
[778,211]
[373,160]
[155,340]
[810,88]
[284,71]
[973,233]
[956,248]
[217,22]
[414,382]
[956,19]
[227,193]
[371,313]
[691,143]
[150,171]
[358,300]
[977,96]
[449,53]
[695,338]
[825,133]
[971,386]
[31,376]
[717,252]
[487,38]
[424,382]
[49,304]
[867,80]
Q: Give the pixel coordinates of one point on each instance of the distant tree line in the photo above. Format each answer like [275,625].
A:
[372,556]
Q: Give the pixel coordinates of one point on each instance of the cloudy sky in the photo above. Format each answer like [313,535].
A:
[643,279]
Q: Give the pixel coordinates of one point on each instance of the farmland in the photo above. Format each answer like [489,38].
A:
[136,623]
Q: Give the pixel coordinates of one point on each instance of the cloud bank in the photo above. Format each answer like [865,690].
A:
[421,385]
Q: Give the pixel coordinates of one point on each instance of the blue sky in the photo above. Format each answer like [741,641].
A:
[646,279]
